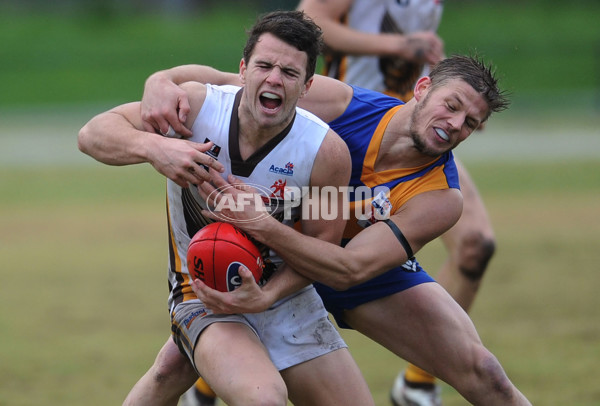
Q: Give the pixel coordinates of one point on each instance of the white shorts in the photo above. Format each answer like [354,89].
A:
[294,330]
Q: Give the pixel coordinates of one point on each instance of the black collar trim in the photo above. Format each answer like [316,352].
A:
[240,167]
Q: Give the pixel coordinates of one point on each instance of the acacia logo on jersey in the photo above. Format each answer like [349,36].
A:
[287,170]
[252,202]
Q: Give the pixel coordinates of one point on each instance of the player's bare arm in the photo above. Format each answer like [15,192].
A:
[327,98]
[113,138]
[375,249]
[117,137]
[424,46]
[331,172]
[370,253]
[327,14]
[165,104]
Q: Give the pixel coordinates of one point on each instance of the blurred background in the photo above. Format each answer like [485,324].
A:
[83,246]
[85,55]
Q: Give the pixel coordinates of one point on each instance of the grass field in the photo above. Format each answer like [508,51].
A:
[83,246]
[83,292]
[543,49]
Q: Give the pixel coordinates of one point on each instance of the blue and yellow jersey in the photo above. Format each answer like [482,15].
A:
[362,126]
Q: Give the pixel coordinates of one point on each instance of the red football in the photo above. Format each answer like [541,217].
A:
[216,252]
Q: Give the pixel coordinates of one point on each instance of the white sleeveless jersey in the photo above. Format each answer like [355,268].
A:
[283,164]
[385,74]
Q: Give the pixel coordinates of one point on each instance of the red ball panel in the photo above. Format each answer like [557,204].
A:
[215,253]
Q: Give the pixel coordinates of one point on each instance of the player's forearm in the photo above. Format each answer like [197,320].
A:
[283,283]
[348,41]
[110,139]
[311,257]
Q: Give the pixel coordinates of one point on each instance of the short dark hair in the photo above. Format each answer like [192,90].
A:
[293,28]
[474,71]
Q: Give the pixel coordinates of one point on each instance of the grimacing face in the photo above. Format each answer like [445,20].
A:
[274,80]
[445,116]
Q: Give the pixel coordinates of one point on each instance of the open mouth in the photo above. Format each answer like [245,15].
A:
[270,100]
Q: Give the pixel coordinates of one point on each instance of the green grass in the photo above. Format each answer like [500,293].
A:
[547,52]
[74,59]
[537,45]
[83,293]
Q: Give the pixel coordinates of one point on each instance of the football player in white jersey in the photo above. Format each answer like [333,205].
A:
[291,350]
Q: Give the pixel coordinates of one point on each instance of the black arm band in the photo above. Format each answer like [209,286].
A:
[400,237]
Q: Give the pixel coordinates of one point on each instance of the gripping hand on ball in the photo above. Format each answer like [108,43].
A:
[247,298]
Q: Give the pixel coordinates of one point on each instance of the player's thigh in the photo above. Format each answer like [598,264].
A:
[422,325]
[331,379]
[236,365]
